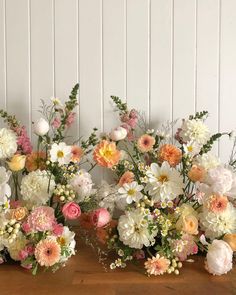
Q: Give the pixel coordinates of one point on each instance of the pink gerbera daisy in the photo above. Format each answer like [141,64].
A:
[47,252]
[157,265]
[146,143]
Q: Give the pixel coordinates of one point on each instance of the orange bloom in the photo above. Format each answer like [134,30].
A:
[104,232]
[127,177]
[77,153]
[36,160]
[19,213]
[106,154]
[217,203]
[145,143]
[157,265]
[47,252]
[197,173]
[85,221]
[170,154]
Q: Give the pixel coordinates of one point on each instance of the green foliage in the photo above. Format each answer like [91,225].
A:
[122,107]
[208,146]
[9,119]
[199,115]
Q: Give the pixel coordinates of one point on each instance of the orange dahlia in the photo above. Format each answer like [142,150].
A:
[127,177]
[145,143]
[106,154]
[35,160]
[170,154]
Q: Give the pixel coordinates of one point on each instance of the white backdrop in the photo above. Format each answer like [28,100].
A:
[166,57]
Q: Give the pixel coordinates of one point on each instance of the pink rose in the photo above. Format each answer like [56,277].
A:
[26,227]
[71,210]
[100,217]
[58,229]
[23,254]
[29,249]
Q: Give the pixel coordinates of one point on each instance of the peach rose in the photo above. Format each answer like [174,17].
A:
[19,213]
[231,240]
[188,220]
[71,210]
[197,173]
[127,177]
[170,154]
[17,162]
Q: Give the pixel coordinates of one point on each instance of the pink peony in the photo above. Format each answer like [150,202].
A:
[41,219]
[56,123]
[71,210]
[100,217]
[57,229]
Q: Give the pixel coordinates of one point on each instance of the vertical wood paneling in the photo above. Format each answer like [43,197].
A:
[90,61]
[227,101]
[42,82]
[184,58]
[66,55]
[114,56]
[138,54]
[18,58]
[2,56]
[161,61]
[208,61]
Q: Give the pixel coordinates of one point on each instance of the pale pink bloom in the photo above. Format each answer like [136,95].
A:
[133,114]
[41,219]
[57,229]
[184,247]
[70,119]
[71,210]
[23,254]
[23,140]
[56,123]
[157,265]
[26,227]
[100,217]
[27,266]
[30,249]
[47,252]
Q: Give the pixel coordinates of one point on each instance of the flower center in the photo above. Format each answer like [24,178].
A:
[131,192]
[60,154]
[190,148]
[107,153]
[163,178]
[48,252]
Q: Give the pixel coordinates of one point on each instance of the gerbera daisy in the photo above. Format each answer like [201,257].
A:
[157,265]
[47,252]
[145,143]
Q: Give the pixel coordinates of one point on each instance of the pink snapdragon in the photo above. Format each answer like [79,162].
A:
[23,140]
[56,123]
[70,119]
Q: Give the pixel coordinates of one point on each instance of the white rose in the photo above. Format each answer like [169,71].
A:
[41,127]
[219,258]
[118,133]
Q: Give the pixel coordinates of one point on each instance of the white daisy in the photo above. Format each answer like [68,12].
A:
[195,130]
[191,148]
[131,192]
[60,153]
[134,230]
[8,145]
[165,183]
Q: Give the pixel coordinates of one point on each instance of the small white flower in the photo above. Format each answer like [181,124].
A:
[191,148]
[195,130]
[8,145]
[41,127]
[67,239]
[118,133]
[219,258]
[131,192]
[60,153]
[165,183]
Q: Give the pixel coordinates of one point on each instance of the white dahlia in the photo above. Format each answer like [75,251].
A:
[165,183]
[8,144]
[207,161]
[37,187]
[194,130]
[133,228]
[82,184]
[217,224]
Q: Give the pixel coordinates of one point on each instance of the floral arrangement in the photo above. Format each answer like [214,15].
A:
[42,189]
[172,197]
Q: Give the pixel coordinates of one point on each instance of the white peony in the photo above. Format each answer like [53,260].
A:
[207,161]
[60,153]
[8,144]
[82,184]
[133,228]
[35,188]
[165,183]
[195,130]
[219,258]
[131,192]
[41,127]
[218,224]
[106,196]
[118,133]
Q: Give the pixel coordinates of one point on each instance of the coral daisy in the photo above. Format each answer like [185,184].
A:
[106,154]
[145,143]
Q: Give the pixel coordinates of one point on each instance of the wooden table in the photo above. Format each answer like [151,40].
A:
[84,275]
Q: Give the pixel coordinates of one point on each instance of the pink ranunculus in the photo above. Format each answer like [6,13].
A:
[139,254]
[29,249]
[100,217]
[26,227]
[56,123]
[23,254]
[58,229]
[71,210]
[70,119]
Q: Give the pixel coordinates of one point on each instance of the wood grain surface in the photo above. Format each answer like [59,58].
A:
[85,275]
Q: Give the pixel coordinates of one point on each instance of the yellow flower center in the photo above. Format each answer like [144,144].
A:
[107,153]
[190,148]
[60,154]
[163,178]
[131,192]
[61,241]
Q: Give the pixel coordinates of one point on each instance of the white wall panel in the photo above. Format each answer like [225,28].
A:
[2,56]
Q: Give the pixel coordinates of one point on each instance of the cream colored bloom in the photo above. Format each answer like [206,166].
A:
[195,130]
[8,145]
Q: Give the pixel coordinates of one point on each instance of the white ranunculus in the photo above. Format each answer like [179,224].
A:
[82,184]
[8,144]
[41,127]
[118,133]
[219,258]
